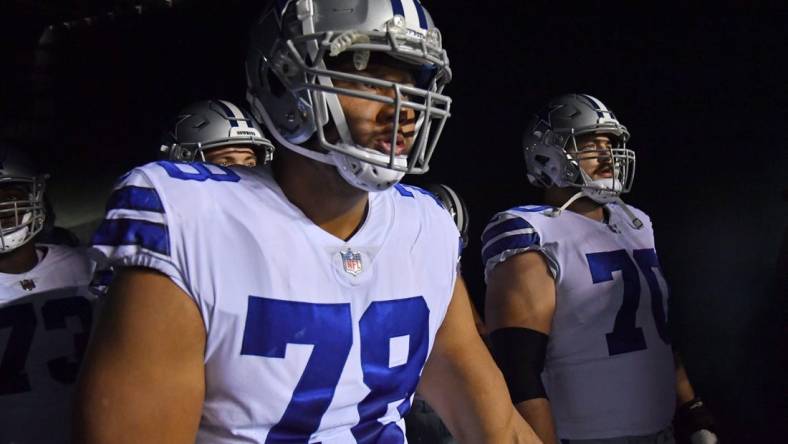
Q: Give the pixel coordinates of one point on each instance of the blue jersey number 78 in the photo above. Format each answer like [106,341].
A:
[272,324]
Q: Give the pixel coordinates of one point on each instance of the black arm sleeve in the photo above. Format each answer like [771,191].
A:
[520,354]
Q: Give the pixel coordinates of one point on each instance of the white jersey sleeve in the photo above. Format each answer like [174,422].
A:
[609,365]
[137,229]
[510,233]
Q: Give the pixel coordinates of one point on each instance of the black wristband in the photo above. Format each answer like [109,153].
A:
[520,354]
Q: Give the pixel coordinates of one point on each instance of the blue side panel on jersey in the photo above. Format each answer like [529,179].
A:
[396,6]
[494,231]
[149,235]
[422,16]
[135,198]
[514,242]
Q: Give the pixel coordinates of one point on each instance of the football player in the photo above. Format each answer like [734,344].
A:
[576,301]
[46,312]
[423,423]
[216,131]
[299,303]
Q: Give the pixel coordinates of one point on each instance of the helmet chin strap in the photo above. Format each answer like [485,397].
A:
[636,223]
[555,212]
[604,191]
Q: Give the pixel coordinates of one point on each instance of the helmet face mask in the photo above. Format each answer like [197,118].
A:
[295,83]
[22,208]
[212,124]
[554,157]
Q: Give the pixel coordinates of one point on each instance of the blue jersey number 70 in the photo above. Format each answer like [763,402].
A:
[272,324]
[626,337]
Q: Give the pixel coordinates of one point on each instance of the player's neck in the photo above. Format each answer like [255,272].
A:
[584,206]
[21,260]
[321,194]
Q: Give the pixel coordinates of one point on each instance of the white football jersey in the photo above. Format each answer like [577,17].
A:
[609,365]
[46,315]
[310,338]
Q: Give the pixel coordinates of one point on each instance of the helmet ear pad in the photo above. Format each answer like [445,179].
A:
[550,165]
[292,111]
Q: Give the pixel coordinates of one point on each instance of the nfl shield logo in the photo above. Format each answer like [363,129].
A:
[351,261]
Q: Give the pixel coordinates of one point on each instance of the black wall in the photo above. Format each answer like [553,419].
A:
[704,96]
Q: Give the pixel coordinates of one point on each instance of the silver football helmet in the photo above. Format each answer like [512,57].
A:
[552,155]
[211,124]
[291,85]
[21,218]
[455,205]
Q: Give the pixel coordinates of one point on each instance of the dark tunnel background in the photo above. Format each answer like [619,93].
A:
[703,95]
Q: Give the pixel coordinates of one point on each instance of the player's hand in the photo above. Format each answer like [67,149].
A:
[704,436]
[694,423]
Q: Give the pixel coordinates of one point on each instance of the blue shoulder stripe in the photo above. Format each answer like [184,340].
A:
[516,241]
[135,198]
[149,235]
[494,230]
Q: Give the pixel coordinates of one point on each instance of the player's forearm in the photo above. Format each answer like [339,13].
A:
[684,390]
[462,383]
[505,425]
[538,415]
[475,409]
[514,430]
